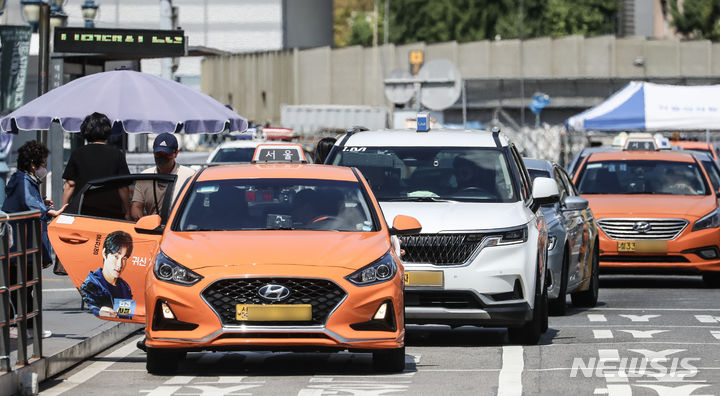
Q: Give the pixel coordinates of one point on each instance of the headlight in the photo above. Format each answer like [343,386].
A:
[508,237]
[383,269]
[710,220]
[552,239]
[168,270]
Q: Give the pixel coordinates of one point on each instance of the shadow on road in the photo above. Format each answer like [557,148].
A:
[651,282]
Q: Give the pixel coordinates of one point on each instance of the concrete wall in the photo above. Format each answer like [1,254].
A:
[257,84]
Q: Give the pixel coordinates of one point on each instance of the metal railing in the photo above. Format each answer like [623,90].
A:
[20,286]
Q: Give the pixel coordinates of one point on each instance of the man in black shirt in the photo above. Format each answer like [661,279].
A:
[92,161]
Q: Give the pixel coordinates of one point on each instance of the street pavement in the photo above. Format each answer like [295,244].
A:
[649,335]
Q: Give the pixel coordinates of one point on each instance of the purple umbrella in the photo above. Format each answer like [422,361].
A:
[134,101]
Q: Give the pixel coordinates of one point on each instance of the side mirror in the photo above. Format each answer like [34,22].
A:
[545,192]
[405,225]
[149,225]
[575,203]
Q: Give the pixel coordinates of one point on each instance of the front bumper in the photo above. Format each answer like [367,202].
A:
[496,289]
[682,255]
[213,333]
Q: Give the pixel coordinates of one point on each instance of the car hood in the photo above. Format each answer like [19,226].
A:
[350,250]
[458,216]
[612,205]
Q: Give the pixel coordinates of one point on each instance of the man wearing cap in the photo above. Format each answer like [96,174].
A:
[145,201]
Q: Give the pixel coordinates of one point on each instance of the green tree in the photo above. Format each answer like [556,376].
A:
[698,19]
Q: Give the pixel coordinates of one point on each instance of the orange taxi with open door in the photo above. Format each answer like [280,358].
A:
[274,255]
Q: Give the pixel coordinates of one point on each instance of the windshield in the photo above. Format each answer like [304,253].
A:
[432,173]
[234,154]
[538,173]
[699,150]
[642,177]
[712,171]
[276,204]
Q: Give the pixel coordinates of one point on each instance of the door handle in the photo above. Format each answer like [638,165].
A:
[73,238]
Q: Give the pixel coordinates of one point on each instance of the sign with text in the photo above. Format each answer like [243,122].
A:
[162,43]
[15,47]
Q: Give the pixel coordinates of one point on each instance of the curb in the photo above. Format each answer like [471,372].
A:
[48,366]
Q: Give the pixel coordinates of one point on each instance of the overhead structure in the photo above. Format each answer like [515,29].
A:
[644,106]
[437,85]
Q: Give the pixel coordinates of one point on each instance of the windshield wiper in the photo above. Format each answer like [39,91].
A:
[421,199]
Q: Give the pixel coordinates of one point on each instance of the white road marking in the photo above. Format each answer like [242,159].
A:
[510,378]
[617,382]
[682,390]
[95,368]
[643,333]
[179,380]
[602,334]
[707,318]
[659,355]
[640,326]
[597,318]
[715,333]
[640,318]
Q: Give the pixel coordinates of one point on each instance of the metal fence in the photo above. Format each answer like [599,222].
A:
[20,287]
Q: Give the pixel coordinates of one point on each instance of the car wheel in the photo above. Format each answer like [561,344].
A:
[163,361]
[558,306]
[389,360]
[712,279]
[588,298]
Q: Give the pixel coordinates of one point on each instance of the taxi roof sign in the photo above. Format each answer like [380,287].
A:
[279,153]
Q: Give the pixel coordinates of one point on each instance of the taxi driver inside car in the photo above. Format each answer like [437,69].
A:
[220,282]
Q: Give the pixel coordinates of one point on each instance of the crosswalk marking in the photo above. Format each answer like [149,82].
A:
[597,318]
[715,333]
[640,318]
[603,333]
[707,318]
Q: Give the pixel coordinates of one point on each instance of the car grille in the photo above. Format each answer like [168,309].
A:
[224,295]
[440,249]
[659,228]
[442,299]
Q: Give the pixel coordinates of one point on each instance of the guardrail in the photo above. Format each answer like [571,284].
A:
[20,286]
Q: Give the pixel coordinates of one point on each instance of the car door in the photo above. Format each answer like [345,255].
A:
[578,232]
[106,258]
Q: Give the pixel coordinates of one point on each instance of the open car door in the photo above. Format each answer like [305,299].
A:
[106,258]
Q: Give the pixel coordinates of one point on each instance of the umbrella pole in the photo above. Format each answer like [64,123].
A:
[43,71]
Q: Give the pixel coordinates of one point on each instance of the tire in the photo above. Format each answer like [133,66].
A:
[389,360]
[163,361]
[588,298]
[558,306]
[712,279]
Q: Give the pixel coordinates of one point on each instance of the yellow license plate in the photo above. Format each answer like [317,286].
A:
[651,246]
[273,313]
[424,278]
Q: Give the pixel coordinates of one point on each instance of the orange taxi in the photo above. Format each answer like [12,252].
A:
[270,256]
[702,147]
[657,210]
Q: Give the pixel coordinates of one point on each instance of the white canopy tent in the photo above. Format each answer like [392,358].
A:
[653,107]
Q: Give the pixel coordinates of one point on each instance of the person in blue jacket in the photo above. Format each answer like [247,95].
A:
[103,286]
[23,192]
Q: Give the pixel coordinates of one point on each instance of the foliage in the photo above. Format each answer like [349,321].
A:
[698,19]
[469,20]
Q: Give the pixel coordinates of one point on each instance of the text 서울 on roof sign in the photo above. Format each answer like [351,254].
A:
[120,41]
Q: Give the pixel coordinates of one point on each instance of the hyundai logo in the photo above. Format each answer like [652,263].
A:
[274,292]
[642,227]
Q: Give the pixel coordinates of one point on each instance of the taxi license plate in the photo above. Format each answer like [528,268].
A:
[424,278]
[650,246]
[273,313]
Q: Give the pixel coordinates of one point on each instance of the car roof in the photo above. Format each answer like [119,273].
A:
[692,144]
[278,171]
[241,144]
[678,156]
[533,163]
[411,138]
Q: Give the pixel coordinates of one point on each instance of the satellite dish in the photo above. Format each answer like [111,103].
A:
[438,95]
[399,93]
